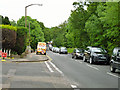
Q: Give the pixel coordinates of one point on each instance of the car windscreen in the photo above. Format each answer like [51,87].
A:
[63,48]
[79,50]
[98,50]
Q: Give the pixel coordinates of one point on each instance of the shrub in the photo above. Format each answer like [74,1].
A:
[21,40]
[8,36]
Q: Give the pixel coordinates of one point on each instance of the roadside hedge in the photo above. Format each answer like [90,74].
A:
[8,34]
[13,38]
[21,40]
[8,27]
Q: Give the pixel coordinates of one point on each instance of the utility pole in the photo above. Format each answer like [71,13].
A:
[29,39]
[26,12]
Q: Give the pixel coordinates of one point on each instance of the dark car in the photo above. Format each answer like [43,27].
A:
[115,60]
[96,55]
[63,50]
[77,53]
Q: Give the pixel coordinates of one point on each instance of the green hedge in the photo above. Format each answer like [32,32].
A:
[21,40]
[70,50]
[8,27]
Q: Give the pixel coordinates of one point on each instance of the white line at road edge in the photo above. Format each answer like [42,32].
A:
[73,86]
[113,75]
[92,67]
[50,69]
[56,68]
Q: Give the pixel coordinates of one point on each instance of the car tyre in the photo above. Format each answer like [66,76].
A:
[84,59]
[75,57]
[112,69]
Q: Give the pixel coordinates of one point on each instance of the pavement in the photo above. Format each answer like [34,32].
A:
[32,57]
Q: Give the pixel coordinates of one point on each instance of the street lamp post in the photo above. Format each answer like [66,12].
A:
[26,12]
[29,23]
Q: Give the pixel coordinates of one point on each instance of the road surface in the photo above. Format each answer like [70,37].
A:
[60,71]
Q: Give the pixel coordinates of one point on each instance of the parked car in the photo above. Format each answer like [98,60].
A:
[115,60]
[96,55]
[77,53]
[57,50]
[50,47]
[54,49]
[63,50]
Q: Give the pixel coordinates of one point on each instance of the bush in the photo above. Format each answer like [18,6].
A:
[21,40]
[70,50]
[8,27]
[8,36]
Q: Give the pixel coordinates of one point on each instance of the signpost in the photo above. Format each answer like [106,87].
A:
[4,55]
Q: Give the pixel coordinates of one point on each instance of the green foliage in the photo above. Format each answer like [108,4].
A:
[8,36]
[70,50]
[5,20]
[36,33]
[99,25]
[21,40]
[13,23]
[8,27]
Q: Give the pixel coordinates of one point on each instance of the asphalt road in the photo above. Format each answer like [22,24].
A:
[85,75]
[61,71]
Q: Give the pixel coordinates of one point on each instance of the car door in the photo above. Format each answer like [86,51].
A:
[88,53]
[115,57]
[73,54]
[118,59]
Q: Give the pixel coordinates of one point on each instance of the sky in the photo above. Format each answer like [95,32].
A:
[52,13]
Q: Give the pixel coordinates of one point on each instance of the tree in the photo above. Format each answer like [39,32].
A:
[36,34]
[5,21]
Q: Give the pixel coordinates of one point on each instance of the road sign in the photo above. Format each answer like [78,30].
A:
[4,54]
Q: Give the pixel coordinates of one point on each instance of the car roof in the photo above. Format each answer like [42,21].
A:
[117,48]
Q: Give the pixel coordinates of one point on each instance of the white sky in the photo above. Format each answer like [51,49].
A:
[52,13]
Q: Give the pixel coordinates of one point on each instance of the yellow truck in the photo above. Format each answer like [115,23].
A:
[41,48]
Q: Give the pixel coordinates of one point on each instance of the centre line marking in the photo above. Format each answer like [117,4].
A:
[92,67]
[56,68]
[113,75]
[50,69]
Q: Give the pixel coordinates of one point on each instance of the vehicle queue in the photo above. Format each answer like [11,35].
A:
[93,55]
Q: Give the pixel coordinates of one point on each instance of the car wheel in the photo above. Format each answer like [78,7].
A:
[84,60]
[75,57]
[91,60]
[112,69]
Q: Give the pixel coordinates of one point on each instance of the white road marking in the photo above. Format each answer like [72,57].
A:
[113,75]
[50,69]
[56,68]
[92,67]
[73,86]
